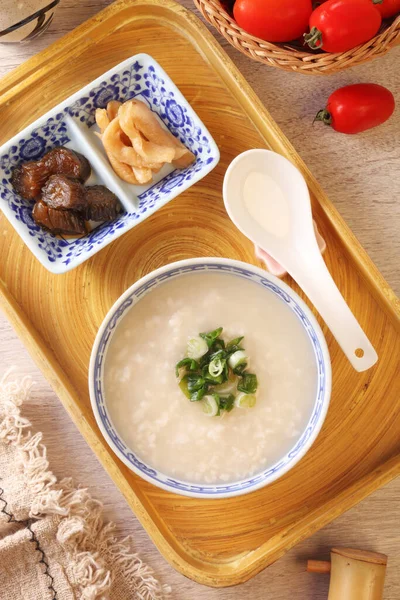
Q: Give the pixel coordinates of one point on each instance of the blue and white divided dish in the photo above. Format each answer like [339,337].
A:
[72,124]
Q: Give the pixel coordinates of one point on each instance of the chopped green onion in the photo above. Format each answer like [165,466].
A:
[219,344]
[214,380]
[234,345]
[219,353]
[237,358]
[211,336]
[183,384]
[240,369]
[195,382]
[227,403]
[243,400]
[210,406]
[216,374]
[197,387]
[199,394]
[189,363]
[248,383]
[228,387]
[216,366]
[196,347]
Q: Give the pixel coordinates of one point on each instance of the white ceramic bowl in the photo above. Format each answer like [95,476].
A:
[272,285]
[71,124]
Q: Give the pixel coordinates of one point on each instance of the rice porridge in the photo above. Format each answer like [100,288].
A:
[171,433]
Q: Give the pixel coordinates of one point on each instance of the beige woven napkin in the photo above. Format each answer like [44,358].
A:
[54,543]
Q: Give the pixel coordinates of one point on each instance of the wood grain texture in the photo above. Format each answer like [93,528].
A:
[127,282]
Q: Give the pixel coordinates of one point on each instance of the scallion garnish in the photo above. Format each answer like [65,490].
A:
[183,384]
[188,363]
[214,373]
[216,366]
[248,383]
[229,386]
[227,402]
[237,358]
[210,406]
[234,345]
[243,400]
[195,382]
[196,347]
[211,337]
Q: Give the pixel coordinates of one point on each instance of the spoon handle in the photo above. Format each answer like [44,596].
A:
[317,283]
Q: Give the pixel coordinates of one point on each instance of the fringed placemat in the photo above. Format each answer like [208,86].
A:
[54,543]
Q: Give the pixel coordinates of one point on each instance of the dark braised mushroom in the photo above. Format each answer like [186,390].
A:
[58,221]
[65,161]
[29,178]
[63,193]
[101,204]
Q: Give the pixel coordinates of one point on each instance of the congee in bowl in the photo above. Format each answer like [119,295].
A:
[210,378]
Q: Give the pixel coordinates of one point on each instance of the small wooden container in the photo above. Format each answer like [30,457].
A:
[355,574]
[292,58]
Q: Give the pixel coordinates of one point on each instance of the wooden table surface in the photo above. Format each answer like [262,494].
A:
[361,175]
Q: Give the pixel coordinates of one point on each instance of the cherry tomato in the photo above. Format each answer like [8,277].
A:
[273,20]
[339,25]
[355,108]
[388,8]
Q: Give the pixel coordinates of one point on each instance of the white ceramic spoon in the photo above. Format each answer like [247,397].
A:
[267,198]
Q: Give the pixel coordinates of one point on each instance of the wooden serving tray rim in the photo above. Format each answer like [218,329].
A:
[242,567]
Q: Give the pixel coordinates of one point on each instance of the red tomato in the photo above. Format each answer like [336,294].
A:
[273,20]
[339,25]
[355,108]
[388,8]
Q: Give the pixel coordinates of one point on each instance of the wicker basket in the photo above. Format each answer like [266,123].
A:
[289,57]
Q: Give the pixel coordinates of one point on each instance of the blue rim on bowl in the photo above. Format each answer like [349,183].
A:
[273,285]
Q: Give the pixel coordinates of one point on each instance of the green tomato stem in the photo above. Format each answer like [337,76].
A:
[324,116]
[314,38]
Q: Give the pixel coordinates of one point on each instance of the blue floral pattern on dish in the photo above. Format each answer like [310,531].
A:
[152,474]
[141,77]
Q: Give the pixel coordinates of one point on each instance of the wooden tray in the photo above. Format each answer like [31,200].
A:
[221,542]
